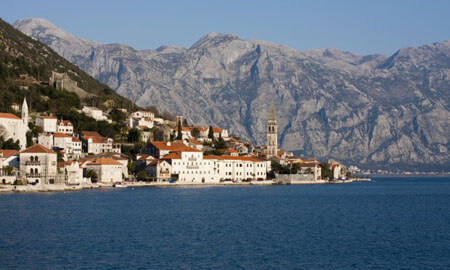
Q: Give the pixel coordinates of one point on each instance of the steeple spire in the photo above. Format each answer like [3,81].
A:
[25,113]
[272,113]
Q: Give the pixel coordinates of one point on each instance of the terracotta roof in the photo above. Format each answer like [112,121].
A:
[177,146]
[172,156]
[145,157]
[75,139]
[37,148]
[15,104]
[7,153]
[61,135]
[66,163]
[216,129]
[104,161]
[64,122]
[194,141]
[115,156]
[46,117]
[233,158]
[90,134]
[155,162]
[96,139]
[9,115]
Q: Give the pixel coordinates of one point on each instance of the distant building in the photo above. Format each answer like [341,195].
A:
[38,164]
[13,127]
[64,126]
[108,170]
[47,123]
[142,119]
[272,134]
[95,113]
[94,143]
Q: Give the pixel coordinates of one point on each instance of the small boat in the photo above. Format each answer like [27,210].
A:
[120,185]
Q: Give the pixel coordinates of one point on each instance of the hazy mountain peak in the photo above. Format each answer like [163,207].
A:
[214,38]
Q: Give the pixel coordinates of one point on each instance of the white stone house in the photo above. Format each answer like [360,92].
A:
[95,113]
[108,170]
[141,118]
[8,158]
[94,143]
[38,165]
[46,139]
[13,127]
[47,123]
[64,126]
[159,170]
[72,172]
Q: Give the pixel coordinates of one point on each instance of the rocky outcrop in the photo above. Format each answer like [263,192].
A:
[330,104]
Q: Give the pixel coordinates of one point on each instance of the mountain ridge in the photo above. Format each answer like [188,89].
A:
[371,109]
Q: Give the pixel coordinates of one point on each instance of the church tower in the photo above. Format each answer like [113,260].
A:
[272,134]
[25,113]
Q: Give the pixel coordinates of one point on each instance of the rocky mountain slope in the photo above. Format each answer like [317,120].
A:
[371,110]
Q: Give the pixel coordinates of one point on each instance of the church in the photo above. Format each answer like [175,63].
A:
[272,134]
[13,127]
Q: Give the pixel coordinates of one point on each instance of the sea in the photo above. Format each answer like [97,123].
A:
[389,223]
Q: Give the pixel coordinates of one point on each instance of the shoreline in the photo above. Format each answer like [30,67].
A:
[10,189]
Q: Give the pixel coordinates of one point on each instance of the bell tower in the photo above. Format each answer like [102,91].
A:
[272,133]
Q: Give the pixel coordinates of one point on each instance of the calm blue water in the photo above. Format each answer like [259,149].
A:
[388,223]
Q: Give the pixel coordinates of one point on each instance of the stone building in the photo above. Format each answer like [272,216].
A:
[272,134]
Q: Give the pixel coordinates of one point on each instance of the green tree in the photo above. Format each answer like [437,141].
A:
[220,144]
[179,132]
[195,132]
[142,176]
[131,167]
[7,170]
[211,133]
[9,144]
[326,171]
[29,138]
[91,174]
[134,135]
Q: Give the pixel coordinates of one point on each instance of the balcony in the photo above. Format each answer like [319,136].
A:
[32,163]
[33,175]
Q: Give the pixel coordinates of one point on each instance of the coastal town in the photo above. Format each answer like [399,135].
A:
[42,152]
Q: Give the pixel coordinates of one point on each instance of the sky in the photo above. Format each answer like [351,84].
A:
[358,26]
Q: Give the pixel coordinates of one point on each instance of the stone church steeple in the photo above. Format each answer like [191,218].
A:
[272,133]
[25,113]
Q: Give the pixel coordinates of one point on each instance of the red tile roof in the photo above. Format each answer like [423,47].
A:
[9,115]
[64,123]
[177,146]
[7,153]
[61,135]
[37,148]
[172,156]
[90,134]
[75,139]
[104,161]
[194,141]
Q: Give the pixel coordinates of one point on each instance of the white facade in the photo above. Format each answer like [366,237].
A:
[64,126]
[38,165]
[13,127]
[108,170]
[193,167]
[95,113]
[47,123]
[73,173]
[141,119]
[46,139]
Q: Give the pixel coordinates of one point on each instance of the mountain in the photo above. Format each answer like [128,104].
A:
[375,110]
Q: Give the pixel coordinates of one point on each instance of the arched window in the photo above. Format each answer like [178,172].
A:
[32,159]
[36,158]
[31,171]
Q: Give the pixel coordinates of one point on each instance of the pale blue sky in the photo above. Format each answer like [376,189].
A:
[358,26]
